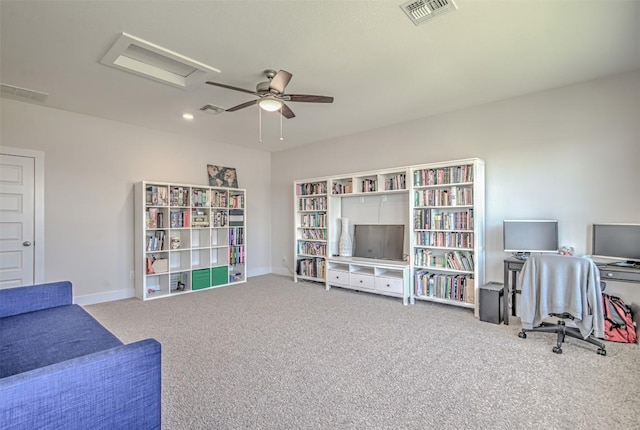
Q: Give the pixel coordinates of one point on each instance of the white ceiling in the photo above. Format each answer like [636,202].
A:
[379,67]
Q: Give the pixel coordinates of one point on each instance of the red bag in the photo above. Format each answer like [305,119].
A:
[618,321]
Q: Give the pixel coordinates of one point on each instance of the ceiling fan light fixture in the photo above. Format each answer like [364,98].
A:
[270,104]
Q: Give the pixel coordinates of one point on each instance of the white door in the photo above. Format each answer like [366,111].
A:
[17,219]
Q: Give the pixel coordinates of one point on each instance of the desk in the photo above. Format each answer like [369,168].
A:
[513,266]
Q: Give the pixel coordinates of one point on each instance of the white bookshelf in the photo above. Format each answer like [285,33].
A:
[447,240]
[403,195]
[188,238]
[310,215]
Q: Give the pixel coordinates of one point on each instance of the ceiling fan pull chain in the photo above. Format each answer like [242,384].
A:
[281,138]
[259,125]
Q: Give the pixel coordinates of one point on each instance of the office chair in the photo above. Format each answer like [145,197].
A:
[564,287]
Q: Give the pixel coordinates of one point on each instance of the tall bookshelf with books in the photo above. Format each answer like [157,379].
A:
[447,240]
[188,238]
[441,206]
[310,215]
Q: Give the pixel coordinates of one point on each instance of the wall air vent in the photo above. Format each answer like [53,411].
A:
[421,11]
[25,93]
[134,55]
[212,109]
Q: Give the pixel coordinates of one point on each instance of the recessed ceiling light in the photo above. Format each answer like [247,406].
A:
[188,116]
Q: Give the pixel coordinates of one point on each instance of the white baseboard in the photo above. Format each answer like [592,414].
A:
[282,271]
[109,296]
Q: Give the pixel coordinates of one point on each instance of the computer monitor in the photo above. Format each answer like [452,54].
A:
[617,241]
[522,237]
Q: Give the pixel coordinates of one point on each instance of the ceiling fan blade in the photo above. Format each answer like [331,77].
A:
[242,106]
[307,98]
[287,112]
[280,81]
[229,87]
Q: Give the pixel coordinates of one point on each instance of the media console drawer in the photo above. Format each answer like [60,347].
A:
[390,285]
[362,281]
[337,277]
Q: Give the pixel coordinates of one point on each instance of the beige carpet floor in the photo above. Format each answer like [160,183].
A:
[274,354]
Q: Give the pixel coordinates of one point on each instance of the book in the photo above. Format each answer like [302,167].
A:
[152,220]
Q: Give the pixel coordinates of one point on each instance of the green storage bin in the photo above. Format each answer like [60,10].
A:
[201,279]
[219,275]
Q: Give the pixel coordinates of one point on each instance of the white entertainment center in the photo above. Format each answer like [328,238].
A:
[440,205]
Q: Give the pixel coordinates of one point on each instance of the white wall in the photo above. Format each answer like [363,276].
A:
[570,154]
[91,165]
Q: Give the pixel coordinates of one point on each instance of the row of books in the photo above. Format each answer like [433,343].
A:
[155,241]
[156,195]
[218,199]
[312,248]
[368,185]
[179,196]
[311,188]
[444,197]
[199,198]
[445,239]
[311,267]
[236,254]
[316,219]
[451,287]
[314,234]
[236,201]
[443,175]
[180,219]
[460,260]
[312,204]
[396,182]
[342,188]
[435,219]
[154,218]
[236,217]
[236,236]
[457,260]
[219,218]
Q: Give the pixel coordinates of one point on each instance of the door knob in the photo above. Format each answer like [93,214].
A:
[26,243]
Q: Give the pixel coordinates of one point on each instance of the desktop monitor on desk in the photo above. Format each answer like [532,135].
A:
[619,242]
[522,237]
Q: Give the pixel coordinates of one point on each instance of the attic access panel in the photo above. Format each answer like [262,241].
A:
[146,59]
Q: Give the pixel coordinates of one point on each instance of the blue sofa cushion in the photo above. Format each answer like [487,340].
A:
[40,338]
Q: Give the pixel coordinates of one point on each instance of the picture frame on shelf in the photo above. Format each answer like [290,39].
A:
[220,176]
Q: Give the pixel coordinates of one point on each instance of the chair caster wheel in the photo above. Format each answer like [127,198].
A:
[602,351]
[557,350]
[522,335]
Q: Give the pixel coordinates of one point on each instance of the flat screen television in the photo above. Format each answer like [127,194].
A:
[617,241]
[382,241]
[522,237]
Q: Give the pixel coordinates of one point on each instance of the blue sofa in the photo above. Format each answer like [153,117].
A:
[61,369]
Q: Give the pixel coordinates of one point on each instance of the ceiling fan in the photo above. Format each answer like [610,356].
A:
[271,96]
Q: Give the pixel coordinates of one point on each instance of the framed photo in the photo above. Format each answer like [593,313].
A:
[220,176]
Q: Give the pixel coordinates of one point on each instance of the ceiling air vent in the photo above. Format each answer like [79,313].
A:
[420,11]
[33,95]
[134,55]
